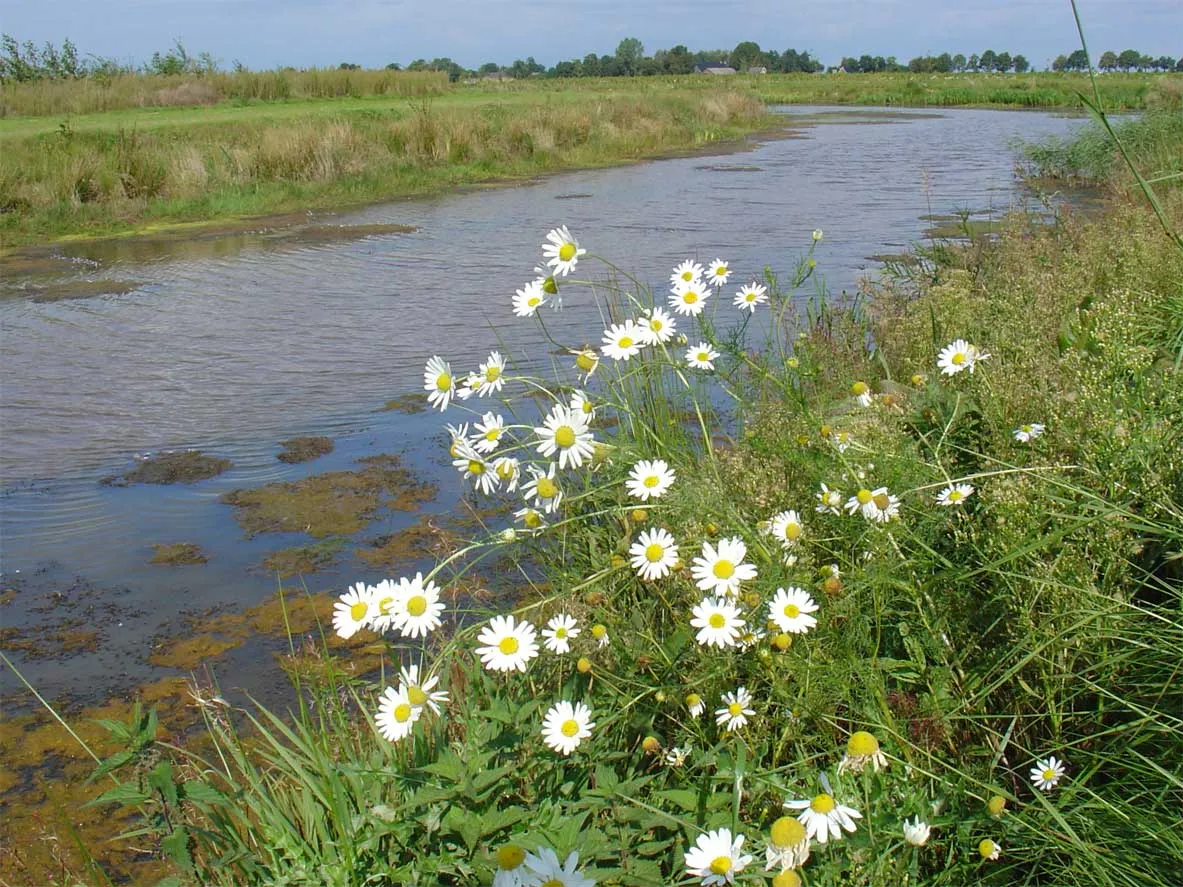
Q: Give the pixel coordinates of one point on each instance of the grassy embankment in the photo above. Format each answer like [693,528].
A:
[1039,616]
[88,159]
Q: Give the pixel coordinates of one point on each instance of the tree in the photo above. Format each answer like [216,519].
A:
[959,62]
[591,65]
[1108,61]
[988,60]
[746,55]
[678,60]
[1129,59]
[1164,63]
[1003,63]
[629,51]
[943,63]
[1022,66]
[973,62]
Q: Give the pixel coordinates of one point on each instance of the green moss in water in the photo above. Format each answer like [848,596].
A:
[171,468]
[304,449]
[178,554]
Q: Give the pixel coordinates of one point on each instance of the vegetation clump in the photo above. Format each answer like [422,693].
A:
[177,554]
[303,560]
[184,467]
[304,449]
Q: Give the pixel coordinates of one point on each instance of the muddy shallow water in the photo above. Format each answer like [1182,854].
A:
[236,343]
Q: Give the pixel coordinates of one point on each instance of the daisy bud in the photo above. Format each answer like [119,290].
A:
[996,806]
[764,655]
[832,585]
[712,530]
[659,695]
[618,561]
[594,599]
[817,234]
[825,431]
[751,599]
[792,363]
[583,665]
[651,745]
[782,641]
[787,878]
[510,856]
[802,440]
[639,515]
[988,849]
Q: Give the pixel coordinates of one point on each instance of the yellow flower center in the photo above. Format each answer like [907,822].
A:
[508,646]
[567,252]
[510,856]
[787,878]
[882,501]
[863,496]
[492,434]
[1026,429]
[550,285]
[570,727]
[1049,775]
[565,436]
[717,620]
[822,804]
[586,406]
[384,605]
[417,605]
[723,569]
[547,488]
[654,553]
[560,633]
[958,359]
[475,467]
[443,381]
[625,342]
[862,744]
[402,712]
[690,298]
[585,361]
[721,865]
[656,325]
[955,495]
[358,611]
[493,373]
[703,357]
[858,389]
[687,276]
[505,470]
[651,481]
[787,832]
[533,520]
[553,882]
[534,301]
[735,709]
[792,611]
[599,632]
[416,695]
[792,531]
[986,848]
[996,805]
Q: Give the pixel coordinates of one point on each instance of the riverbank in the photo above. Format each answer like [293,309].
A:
[148,168]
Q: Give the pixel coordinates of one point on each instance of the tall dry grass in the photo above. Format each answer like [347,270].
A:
[47,97]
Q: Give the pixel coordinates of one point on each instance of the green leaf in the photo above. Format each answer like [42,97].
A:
[127,794]
[176,847]
[111,764]
[201,793]
[161,779]
[683,798]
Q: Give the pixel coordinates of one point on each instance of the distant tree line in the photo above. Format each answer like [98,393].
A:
[988,61]
[21,62]
[1126,60]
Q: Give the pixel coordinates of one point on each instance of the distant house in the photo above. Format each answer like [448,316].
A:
[713,68]
[758,69]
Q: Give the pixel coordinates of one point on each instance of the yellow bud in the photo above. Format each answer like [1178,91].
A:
[832,585]
[825,430]
[802,440]
[782,641]
[792,363]
[510,856]
[651,745]
[787,878]
[584,665]
[639,515]
[594,598]
[787,832]
[996,805]
[711,529]
[618,561]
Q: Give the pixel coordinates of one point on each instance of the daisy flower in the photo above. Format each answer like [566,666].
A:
[545,871]
[1047,773]
[735,711]
[488,433]
[542,489]
[654,554]
[586,361]
[583,405]
[695,704]
[716,858]
[840,440]
[788,845]
[718,622]
[566,432]
[717,273]
[657,326]
[562,251]
[750,296]
[438,382]
[817,235]
[701,356]
[458,434]
[958,356]
[396,715]
[824,818]
[1028,433]
[474,467]
[688,299]
[750,637]
[876,505]
[528,300]
[623,340]
[829,501]
[600,633]
[786,527]
[354,610]
[508,471]
[861,749]
[416,608]
[559,632]
[419,691]
[383,595]
[688,272]
[490,375]
[676,756]
[545,279]
[988,849]
[861,392]
[790,609]
[531,519]
[955,494]
[916,832]
[509,645]
[650,478]
[509,866]
[566,726]
[721,570]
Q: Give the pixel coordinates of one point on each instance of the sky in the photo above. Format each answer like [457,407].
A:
[307,33]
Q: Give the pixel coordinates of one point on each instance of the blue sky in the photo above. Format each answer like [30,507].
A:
[267,33]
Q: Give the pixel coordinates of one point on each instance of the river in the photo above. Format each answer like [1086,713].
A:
[231,344]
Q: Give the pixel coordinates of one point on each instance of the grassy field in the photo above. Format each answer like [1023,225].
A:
[87,159]
[919,581]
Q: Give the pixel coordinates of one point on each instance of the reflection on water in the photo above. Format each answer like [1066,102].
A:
[233,343]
